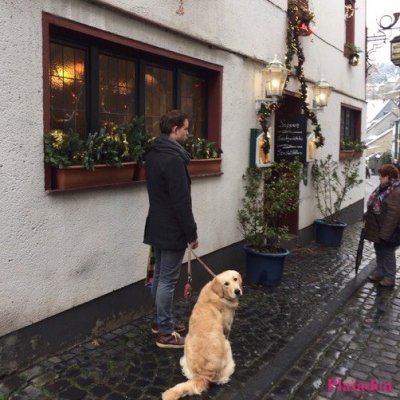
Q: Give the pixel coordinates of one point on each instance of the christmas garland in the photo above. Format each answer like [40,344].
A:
[294,48]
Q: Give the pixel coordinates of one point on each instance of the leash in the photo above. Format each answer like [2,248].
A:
[190,250]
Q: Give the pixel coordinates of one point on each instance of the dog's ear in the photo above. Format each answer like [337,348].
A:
[216,287]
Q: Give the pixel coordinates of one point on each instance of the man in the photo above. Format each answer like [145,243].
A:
[170,225]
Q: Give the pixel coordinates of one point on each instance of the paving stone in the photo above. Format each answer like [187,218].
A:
[45,378]
[72,393]
[30,373]
[11,384]
[54,360]
[57,386]
[100,390]
[115,396]
[30,392]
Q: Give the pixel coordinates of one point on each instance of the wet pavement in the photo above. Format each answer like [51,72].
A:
[321,333]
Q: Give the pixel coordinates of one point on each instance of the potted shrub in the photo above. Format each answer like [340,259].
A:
[269,194]
[206,156]
[104,158]
[332,183]
[350,148]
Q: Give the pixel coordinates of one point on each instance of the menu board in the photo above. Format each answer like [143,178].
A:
[291,138]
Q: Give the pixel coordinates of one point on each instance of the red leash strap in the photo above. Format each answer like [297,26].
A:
[188,291]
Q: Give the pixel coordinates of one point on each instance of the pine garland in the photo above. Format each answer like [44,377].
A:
[293,48]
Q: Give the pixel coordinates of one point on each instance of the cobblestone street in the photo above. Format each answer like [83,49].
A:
[272,329]
[312,337]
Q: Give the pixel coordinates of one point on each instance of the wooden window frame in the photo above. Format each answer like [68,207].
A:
[357,114]
[212,72]
[349,29]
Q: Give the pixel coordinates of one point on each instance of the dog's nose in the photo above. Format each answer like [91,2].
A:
[238,292]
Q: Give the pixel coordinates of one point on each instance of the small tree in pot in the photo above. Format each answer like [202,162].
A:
[332,183]
[270,194]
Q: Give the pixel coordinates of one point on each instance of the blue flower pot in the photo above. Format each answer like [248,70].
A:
[329,234]
[264,268]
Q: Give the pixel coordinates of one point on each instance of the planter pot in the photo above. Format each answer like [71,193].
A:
[77,176]
[346,154]
[264,268]
[205,167]
[140,173]
[329,234]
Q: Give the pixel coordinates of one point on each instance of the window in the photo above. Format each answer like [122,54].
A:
[96,79]
[68,88]
[349,17]
[350,123]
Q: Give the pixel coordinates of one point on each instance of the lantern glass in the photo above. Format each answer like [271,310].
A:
[322,90]
[275,75]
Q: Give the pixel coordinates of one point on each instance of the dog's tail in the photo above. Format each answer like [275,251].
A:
[196,385]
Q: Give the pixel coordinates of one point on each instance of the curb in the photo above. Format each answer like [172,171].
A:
[270,373]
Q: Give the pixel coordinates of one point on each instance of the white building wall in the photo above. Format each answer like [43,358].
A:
[59,251]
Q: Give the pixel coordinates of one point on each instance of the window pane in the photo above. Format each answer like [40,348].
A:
[116,91]
[348,123]
[192,102]
[67,88]
[158,96]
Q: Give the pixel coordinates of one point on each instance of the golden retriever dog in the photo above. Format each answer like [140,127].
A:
[207,354]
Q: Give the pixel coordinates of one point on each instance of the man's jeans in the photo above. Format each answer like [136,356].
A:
[166,273]
[385,261]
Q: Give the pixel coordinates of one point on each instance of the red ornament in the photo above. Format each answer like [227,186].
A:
[304,29]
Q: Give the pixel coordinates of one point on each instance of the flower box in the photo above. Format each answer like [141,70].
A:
[78,177]
[140,173]
[346,154]
[204,167]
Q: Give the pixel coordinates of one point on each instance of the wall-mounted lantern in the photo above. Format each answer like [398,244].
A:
[275,75]
[274,79]
[322,90]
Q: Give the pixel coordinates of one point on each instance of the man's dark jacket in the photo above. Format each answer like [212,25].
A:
[170,223]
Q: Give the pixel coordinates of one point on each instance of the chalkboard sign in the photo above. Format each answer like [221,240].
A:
[291,138]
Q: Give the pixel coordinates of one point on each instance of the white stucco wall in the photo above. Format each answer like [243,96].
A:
[59,251]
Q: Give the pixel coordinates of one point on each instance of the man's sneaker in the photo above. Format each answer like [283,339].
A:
[386,282]
[375,277]
[178,327]
[170,340]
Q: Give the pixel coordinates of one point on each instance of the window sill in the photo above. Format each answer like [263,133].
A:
[77,178]
[349,154]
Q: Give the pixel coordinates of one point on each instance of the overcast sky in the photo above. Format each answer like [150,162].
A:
[376,9]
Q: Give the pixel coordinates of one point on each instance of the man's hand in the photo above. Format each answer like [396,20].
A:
[194,245]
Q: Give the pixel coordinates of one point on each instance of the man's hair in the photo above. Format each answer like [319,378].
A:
[389,170]
[170,119]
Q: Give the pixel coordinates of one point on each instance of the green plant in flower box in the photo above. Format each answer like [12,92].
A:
[63,149]
[351,144]
[124,144]
[200,148]
[139,141]
[353,49]
[105,148]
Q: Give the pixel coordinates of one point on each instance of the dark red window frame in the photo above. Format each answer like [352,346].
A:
[214,72]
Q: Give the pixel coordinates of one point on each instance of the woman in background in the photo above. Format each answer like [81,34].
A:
[382,224]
